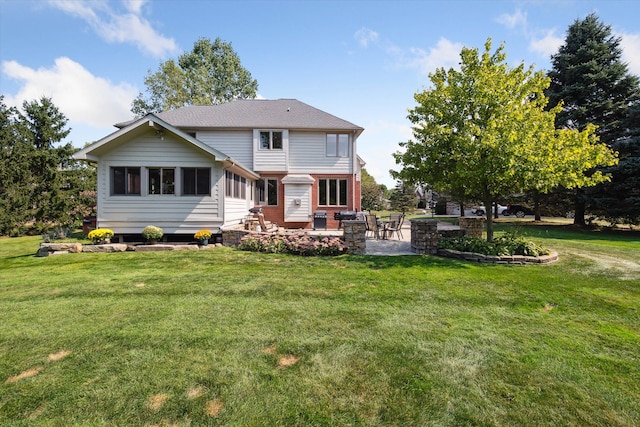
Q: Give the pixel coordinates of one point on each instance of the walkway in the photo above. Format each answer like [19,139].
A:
[395,246]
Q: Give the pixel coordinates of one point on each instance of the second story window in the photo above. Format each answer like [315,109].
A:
[337,145]
[271,140]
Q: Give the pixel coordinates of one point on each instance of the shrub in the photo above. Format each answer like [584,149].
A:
[297,244]
[151,232]
[100,234]
[507,244]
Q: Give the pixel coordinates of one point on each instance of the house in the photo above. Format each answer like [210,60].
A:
[204,167]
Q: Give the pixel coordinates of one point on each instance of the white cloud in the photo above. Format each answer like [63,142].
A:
[85,99]
[631,51]
[444,55]
[134,6]
[511,21]
[364,36]
[128,27]
[547,45]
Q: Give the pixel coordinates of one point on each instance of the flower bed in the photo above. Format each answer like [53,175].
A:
[297,244]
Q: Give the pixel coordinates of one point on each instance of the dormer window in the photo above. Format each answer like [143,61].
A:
[271,140]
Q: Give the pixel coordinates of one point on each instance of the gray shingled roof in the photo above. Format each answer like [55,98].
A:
[256,114]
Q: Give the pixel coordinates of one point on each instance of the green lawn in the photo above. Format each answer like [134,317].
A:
[224,337]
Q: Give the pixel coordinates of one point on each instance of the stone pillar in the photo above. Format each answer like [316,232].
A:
[355,236]
[424,236]
[472,226]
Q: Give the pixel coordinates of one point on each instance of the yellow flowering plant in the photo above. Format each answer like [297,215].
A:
[202,235]
[100,234]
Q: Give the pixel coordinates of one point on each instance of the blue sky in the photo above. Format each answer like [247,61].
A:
[359,60]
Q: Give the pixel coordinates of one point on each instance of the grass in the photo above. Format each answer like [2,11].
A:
[225,337]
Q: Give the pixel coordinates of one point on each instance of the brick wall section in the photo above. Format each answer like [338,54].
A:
[275,214]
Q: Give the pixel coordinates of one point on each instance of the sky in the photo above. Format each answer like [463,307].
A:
[362,61]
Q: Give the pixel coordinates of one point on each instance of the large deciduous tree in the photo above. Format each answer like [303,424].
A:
[484,132]
[595,87]
[209,74]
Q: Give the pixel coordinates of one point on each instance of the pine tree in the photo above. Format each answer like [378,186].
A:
[594,85]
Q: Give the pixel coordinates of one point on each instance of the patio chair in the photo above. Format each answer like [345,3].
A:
[266,228]
[396,225]
[372,226]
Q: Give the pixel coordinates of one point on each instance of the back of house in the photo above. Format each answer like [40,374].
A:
[205,167]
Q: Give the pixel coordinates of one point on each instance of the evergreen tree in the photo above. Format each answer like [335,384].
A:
[403,198]
[40,184]
[593,84]
[15,177]
[618,201]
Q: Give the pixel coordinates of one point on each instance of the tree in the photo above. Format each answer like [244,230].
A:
[15,176]
[210,74]
[403,198]
[372,195]
[484,132]
[618,201]
[594,85]
[39,183]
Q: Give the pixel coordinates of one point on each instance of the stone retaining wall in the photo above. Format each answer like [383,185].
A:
[47,249]
[504,259]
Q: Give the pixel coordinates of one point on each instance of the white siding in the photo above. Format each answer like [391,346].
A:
[236,144]
[173,213]
[270,160]
[292,211]
[307,154]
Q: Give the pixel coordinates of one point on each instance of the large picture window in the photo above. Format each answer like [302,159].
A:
[162,181]
[337,145]
[196,181]
[332,192]
[267,191]
[271,140]
[125,181]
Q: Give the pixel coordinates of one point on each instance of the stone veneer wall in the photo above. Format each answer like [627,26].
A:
[424,236]
[355,236]
[472,226]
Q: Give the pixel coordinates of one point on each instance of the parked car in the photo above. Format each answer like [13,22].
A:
[479,210]
[517,210]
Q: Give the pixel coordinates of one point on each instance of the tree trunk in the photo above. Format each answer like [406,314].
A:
[578,218]
[489,215]
[461,209]
[536,206]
